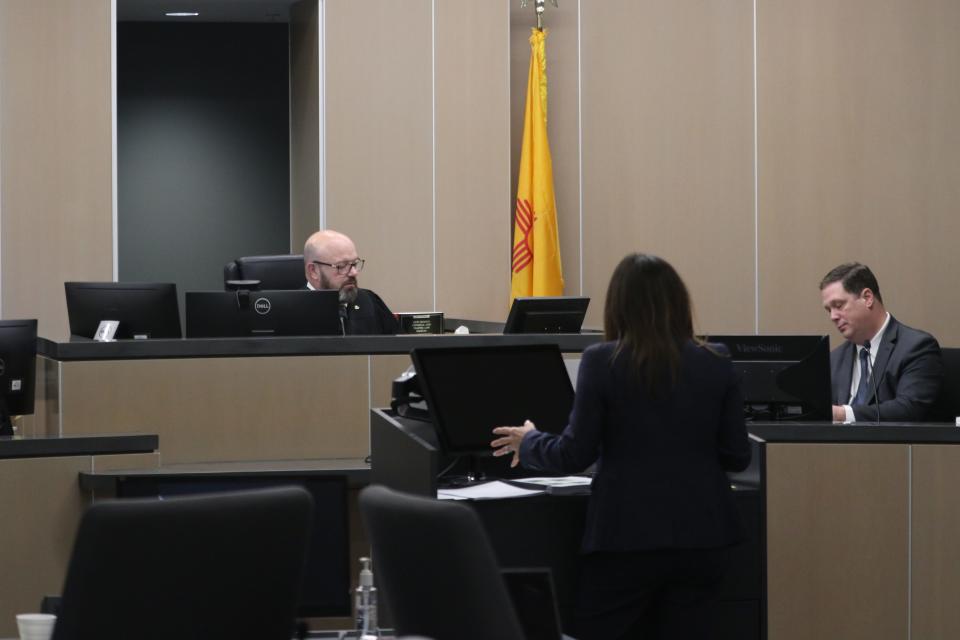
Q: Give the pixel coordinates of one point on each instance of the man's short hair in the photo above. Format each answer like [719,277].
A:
[854,277]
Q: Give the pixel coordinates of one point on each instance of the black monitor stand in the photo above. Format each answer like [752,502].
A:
[6,423]
[474,474]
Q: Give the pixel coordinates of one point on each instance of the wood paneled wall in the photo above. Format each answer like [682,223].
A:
[305,132]
[754,151]
[667,148]
[838,549]
[43,504]
[859,156]
[379,135]
[56,194]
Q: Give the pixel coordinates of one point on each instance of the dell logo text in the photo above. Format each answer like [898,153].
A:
[262,306]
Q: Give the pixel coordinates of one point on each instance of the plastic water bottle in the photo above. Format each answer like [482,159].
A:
[366,602]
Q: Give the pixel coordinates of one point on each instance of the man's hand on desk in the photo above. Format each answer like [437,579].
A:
[510,440]
[839,414]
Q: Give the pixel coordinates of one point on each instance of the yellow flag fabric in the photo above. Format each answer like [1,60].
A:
[535,264]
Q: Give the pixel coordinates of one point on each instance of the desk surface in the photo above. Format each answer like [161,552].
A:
[82,349]
[87,445]
[887,432]
[357,471]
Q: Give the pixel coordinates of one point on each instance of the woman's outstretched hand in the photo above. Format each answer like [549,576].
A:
[509,441]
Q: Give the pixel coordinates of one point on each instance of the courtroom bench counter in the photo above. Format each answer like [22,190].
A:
[884,433]
[356,470]
[85,350]
[78,445]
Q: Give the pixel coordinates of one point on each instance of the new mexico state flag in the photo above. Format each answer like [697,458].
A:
[535,264]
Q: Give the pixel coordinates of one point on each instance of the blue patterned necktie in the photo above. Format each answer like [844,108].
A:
[863,389]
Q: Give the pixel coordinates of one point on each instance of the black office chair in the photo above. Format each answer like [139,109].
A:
[948,406]
[273,272]
[218,566]
[437,571]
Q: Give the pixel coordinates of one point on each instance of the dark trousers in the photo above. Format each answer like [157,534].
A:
[668,593]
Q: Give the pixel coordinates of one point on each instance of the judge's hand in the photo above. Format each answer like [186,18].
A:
[510,439]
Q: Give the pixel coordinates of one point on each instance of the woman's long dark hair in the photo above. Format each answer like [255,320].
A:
[648,313]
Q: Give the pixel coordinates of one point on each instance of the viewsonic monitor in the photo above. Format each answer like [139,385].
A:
[471,390]
[544,314]
[18,349]
[237,314]
[783,377]
[143,309]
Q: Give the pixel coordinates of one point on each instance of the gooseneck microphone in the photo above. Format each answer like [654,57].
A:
[873,379]
[346,297]
[342,312]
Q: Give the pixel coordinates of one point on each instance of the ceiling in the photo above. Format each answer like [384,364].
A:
[209,10]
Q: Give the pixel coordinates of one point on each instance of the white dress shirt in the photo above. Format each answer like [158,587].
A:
[855,379]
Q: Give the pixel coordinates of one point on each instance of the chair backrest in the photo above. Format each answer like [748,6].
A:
[948,407]
[218,566]
[273,272]
[436,569]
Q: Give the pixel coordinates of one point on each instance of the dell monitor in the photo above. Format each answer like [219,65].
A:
[558,314]
[243,313]
[470,390]
[18,351]
[782,377]
[141,309]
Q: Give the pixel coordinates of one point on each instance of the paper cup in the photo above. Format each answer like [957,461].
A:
[36,626]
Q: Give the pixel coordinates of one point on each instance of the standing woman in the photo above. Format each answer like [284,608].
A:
[662,416]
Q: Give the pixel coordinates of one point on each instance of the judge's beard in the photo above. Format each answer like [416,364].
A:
[348,295]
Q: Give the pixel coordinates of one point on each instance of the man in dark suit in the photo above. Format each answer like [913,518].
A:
[331,262]
[885,368]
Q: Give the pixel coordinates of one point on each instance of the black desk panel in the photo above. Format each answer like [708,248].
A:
[546,530]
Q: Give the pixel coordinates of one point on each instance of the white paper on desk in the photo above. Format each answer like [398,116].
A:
[487,491]
[562,481]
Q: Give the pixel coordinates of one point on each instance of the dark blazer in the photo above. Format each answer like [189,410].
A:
[908,373]
[660,480]
[369,315]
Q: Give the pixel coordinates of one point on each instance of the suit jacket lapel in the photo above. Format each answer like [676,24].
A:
[887,343]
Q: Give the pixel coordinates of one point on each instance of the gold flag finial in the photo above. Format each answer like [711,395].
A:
[540,7]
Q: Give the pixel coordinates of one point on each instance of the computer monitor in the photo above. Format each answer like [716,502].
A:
[547,314]
[143,309]
[471,390]
[325,590]
[18,357]
[238,314]
[783,377]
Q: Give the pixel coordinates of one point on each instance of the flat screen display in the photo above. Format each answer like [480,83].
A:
[143,309]
[782,377]
[471,390]
[546,314]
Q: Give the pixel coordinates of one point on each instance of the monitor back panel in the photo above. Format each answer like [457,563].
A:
[547,314]
[471,390]
[143,309]
[237,314]
[18,348]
